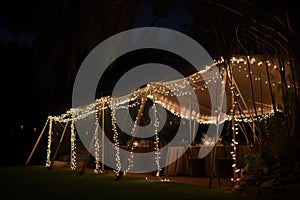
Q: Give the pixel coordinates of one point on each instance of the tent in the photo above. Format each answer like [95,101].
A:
[243,88]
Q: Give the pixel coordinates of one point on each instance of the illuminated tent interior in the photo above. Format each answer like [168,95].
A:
[247,89]
[255,85]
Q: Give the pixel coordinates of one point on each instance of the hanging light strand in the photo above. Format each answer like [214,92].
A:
[115,138]
[73,146]
[48,161]
[157,152]
[97,147]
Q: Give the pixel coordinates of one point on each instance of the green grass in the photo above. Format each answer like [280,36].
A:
[37,182]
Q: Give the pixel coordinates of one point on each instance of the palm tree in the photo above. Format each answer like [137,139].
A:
[267,28]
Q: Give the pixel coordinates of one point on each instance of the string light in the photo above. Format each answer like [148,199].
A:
[235,132]
[171,88]
[157,152]
[234,145]
[133,130]
[48,161]
[115,138]
[73,145]
[97,147]
[257,118]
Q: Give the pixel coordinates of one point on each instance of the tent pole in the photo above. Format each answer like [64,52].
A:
[35,145]
[87,157]
[138,118]
[60,141]
[194,129]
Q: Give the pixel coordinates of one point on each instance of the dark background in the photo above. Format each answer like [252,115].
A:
[42,45]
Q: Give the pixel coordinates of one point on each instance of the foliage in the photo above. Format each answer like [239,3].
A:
[279,140]
[259,161]
[269,30]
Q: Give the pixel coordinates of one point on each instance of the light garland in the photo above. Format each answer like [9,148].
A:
[257,118]
[234,145]
[171,88]
[116,139]
[73,146]
[97,148]
[130,159]
[252,60]
[156,142]
[48,161]
[234,127]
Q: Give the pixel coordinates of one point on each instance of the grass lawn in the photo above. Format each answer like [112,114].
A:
[37,182]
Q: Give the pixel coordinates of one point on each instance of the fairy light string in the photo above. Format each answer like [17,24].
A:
[134,128]
[97,147]
[48,161]
[115,138]
[73,144]
[156,142]
[131,156]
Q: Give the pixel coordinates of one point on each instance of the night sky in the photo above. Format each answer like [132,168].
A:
[43,45]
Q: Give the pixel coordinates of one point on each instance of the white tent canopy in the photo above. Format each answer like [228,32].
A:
[240,73]
[243,77]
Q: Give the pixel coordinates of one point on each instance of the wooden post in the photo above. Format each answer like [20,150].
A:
[138,118]
[194,129]
[37,142]
[87,157]
[60,141]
